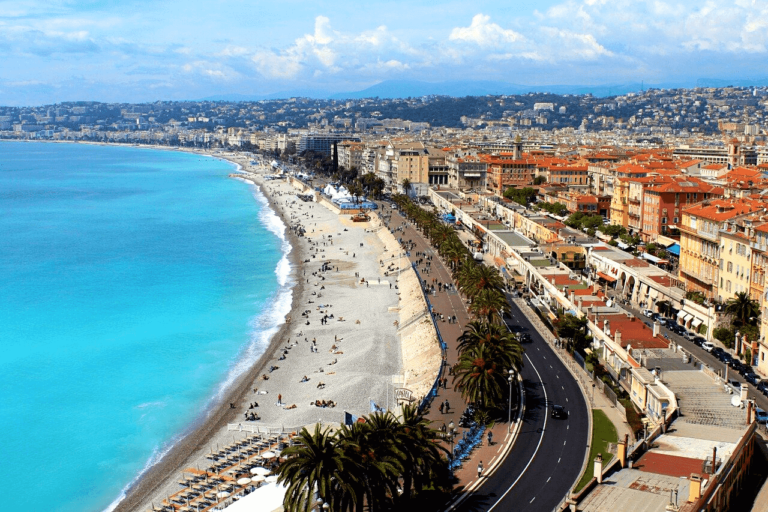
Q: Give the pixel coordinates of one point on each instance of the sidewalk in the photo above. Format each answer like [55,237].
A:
[451,304]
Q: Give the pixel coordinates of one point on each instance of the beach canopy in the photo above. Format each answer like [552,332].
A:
[258,470]
[258,478]
[269,455]
[244,481]
[271,479]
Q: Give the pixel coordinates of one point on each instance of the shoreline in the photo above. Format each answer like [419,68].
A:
[204,429]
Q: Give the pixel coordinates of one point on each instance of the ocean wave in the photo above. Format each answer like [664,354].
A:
[264,326]
[157,455]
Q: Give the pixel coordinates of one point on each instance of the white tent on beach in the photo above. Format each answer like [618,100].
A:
[267,498]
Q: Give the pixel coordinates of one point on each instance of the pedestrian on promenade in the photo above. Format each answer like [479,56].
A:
[480,469]
[442,406]
[447,406]
[490,438]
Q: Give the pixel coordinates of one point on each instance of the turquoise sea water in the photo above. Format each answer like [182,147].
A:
[134,286]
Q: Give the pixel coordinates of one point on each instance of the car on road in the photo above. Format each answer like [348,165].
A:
[761,416]
[752,378]
[558,411]
[690,336]
[708,346]
[763,388]
[735,384]
[699,341]
[648,313]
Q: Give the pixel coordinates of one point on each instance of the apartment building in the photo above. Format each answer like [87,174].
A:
[700,243]
[663,203]
[351,155]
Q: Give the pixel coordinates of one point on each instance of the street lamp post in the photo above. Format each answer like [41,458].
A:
[509,414]
[452,434]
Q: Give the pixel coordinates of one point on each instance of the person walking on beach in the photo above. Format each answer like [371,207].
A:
[279,399]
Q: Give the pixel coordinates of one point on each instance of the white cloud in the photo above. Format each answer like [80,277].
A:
[484,33]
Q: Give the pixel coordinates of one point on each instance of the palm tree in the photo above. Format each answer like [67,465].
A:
[479,376]
[489,304]
[481,278]
[313,465]
[510,351]
[406,185]
[744,308]
[421,455]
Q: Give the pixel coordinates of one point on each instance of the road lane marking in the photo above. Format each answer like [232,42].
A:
[541,439]
[564,442]
[558,460]
[532,500]
[548,479]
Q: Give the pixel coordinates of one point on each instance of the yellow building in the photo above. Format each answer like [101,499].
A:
[735,263]
[700,250]
[619,206]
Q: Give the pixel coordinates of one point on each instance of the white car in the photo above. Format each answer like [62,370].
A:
[648,313]
[708,346]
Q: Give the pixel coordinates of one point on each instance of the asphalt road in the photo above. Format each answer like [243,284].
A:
[548,454]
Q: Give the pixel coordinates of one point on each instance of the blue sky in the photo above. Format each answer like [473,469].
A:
[141,50]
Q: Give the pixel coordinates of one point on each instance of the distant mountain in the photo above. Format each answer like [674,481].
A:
[462,88]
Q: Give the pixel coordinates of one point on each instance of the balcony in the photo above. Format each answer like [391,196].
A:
[698,277]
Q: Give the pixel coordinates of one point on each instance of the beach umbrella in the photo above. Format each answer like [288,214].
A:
[268,455]
[244,481]
[258,479]
[271,479]
[222,494]
[258,470]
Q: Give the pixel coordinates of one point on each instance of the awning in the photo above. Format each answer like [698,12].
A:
[674,249]
[665,241]
[622,245]
[688,316]
[696,322]
[606,277]
[681,314]
[472,175]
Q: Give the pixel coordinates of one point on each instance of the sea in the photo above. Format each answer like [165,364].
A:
[135,286]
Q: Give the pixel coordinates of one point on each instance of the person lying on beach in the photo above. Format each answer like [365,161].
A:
[292,406]
[264,376]
[321,385]
[305,379]
[273,368]
[333,362]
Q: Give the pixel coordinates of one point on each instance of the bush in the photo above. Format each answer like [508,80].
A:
[724,335]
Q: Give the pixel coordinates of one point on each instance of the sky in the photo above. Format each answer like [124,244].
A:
[148,50]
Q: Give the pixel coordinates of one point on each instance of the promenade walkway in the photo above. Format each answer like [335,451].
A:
[450,303]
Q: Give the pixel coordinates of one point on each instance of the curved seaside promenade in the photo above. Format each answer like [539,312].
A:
[354,332]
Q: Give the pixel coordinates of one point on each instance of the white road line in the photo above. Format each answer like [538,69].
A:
[564,442]
[548,479]
[558,460]
[566,399]
[541,438]
[532,500]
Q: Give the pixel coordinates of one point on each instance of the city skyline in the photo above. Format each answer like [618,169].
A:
[143,51]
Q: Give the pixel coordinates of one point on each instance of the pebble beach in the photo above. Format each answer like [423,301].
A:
[358,329]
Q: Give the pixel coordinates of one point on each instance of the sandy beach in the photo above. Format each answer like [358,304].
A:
[342,343]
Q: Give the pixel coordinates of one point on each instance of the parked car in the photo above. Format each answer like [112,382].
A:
[708,346]
[558,411]
[699,341]
[690,336]
[648,313]
[724,357]
[763,388]
[735,384]
[752,378]
[761,416]
[716,351]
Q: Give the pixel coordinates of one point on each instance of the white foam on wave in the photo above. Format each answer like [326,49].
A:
[264,326]
[157,455]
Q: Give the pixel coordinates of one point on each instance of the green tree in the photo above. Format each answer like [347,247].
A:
[480,332]
[745,310]
[574,329]
[406,185]
[539,180]
[523,196]
[489,304]
[313,462]
[481,277]
[479,377]
[613,230]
